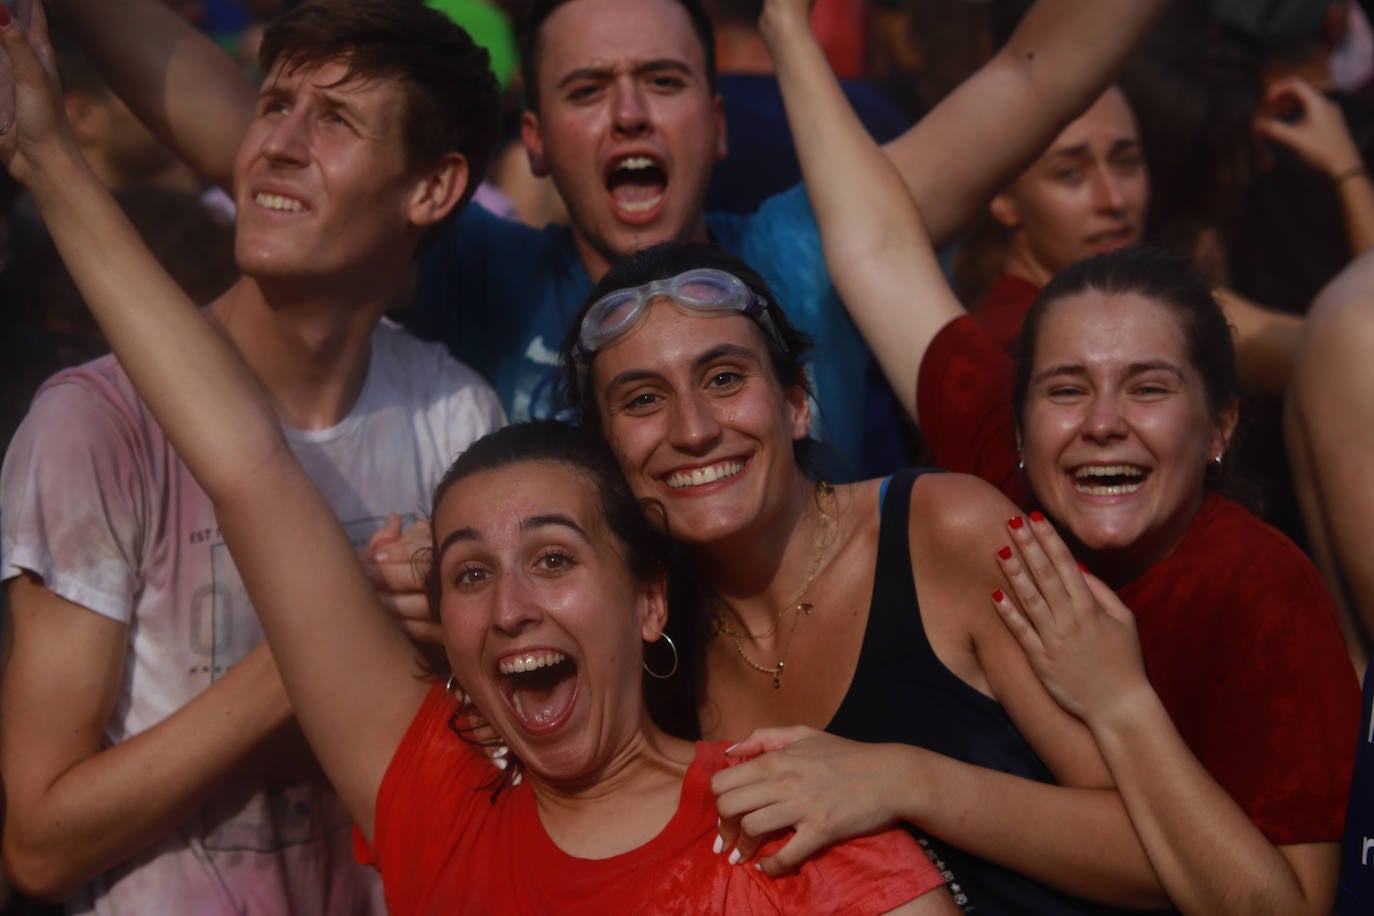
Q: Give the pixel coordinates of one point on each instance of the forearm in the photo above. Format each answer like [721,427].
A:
[1357,207]
[1060,58]
[180,83]
[1079,841]
[875,245]
[124,798]
[1209,855]
[1266,342]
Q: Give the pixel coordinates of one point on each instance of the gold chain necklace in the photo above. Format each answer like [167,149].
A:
[824,493]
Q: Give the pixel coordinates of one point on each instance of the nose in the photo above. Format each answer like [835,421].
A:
[694,428]
[629,114]
[1105,420]
[1108,193]
[516,606]
[286,141]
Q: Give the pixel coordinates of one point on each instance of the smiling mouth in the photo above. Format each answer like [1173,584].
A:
[637,184]
[539,686]
[278,202]
[699,477]
[1109,479]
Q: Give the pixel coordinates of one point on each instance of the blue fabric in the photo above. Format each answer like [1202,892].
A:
[501,295]
[762,159]
[1357,850]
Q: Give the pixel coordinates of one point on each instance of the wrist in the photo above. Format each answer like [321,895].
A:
[1342,176]
[1115,719]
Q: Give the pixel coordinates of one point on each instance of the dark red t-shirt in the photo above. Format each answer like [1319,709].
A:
[1003,310]
[444,846]
[1237,628]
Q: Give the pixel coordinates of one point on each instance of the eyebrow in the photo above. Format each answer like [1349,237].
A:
[1078,370]
[533,523]
[648,66]
[709,356]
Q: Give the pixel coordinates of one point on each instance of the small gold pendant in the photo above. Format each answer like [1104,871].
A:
[777,673]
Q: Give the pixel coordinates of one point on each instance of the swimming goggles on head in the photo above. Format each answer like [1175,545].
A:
[703,291]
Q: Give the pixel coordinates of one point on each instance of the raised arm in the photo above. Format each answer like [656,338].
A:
[985,133]
[876,248]
[190,93]
[348,669]
[1330,440]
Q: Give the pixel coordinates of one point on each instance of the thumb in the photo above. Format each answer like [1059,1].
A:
[762,740]
[387,534]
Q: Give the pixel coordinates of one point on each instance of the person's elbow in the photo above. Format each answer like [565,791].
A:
[44,871]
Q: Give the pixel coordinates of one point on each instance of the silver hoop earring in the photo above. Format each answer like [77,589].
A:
[451,685]
[654,674]
[1020,462]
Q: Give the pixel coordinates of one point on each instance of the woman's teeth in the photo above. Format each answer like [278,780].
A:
[277,202]
[701,476]
[1108,479]
[531,662]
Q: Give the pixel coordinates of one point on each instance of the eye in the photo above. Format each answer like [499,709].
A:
[1062,393]
[667,82]
[725,379]
[641,402]
[583,92]
[469,576]
[1067,174]
[555,561]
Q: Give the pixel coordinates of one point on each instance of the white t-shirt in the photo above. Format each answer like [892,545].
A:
[98,506]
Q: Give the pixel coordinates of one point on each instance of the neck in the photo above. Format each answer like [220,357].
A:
[1022,263]
[625,804]
[311,353]
[740,49]
[757,573]
[597,260]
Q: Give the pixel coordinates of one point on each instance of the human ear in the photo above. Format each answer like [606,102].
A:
[438,190]
[718,116]
[799,405]
[653,603]
[1225,427]
[533,139]
[1004,209]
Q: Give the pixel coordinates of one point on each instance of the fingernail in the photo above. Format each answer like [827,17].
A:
[1082,567]
[734,856]
[718,845]
[4,15]
[731,749]
[1037,517]
[1004,553]
[381,556]
[1015,522]
[997,595]
[758,866]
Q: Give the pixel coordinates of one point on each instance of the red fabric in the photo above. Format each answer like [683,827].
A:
[1003,310]
[443,846]
[841,29]
[1237,628]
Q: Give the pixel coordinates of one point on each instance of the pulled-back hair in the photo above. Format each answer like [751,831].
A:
[451,96]
[1161,277]
[786,355]
[644,549]
[541,10]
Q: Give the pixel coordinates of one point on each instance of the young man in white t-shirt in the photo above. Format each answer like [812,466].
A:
[149,756]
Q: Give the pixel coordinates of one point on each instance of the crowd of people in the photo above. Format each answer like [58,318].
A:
[754,497]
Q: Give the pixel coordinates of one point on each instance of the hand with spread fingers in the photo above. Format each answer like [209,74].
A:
[397,563]
[828,789]
[1078,636]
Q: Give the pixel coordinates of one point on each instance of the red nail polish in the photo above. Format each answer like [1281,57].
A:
[1015,523]
[997,595]
[1037,517]
[1004,553]
[4,15]
[1082,567]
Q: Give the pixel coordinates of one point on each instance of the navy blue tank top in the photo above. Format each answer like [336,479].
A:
[902,692]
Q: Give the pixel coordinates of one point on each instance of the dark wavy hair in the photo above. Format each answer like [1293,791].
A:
[451,97]
[644,549]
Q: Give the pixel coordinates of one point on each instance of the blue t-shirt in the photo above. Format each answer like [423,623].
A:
[502,295]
